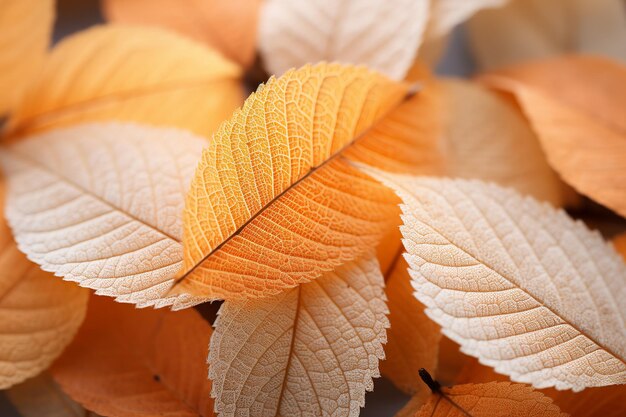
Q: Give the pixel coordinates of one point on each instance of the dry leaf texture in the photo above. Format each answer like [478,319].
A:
[101,205]
[381,34]
[130,74]
[24,37]
[39,314]
[228,26]
[515,282]
[565,119]
[126,362]
[494,399]
[273,203]
[309,351]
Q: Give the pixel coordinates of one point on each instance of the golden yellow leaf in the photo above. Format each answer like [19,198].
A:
[41,396]
[129,363]
[130,74]
[412,339]
[39,314]
[568,101]
[494,399]
[381,34]
[516,283]
[25,32]
[532,29]
[228,26]
[312,350]
[273,202]
[487,138]
[101,205]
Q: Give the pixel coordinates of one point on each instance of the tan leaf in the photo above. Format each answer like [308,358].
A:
[101,205]
[24,38]
[412,339]
[534,29]
[311,350]
[565,119]
[228,26]
[39,314]
[381,34]
[274,202]
[494,399]
[41,396]
[127,362]
[446,14]
[130,74]
[515,282]
[487,138]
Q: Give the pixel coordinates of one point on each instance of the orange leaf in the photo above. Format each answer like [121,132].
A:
[130,74]
[575,105]
[274,203]
[494,399]
[620,244]
[39,314]
[128,362]
[228,26]
[25,35]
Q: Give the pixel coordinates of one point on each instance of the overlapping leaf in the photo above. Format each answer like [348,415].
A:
[39,314]
[131,74]
[381,34]
[25,35]
[311,350]
[101,204]
[494,399]
[273,202]
[516,283]
[127,362]
[228,26]
[582,129]
[532,29]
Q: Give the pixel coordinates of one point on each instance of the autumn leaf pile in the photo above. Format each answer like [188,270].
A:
[170,247]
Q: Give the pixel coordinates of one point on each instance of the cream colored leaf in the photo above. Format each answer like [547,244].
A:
[41,396]
[534,29]
[515,282]
[381,34]
[127,73]
[101,205]
[39,314]
[25,32]
[487,138]
[493,399]
[309,351]
[229,26]
[274,202]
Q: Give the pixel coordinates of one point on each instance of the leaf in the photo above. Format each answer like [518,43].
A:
[412,339]
[312,350]
[274,202]
[383,35]
[565,118]
[128,362]
[446,14]
[41,396]
[228,26]
[38,314]
[26,31]
[516,283]
[494,399]
[101,204]
[533,29]
[486,138]
[620,244]
[130,74]
[591,402]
